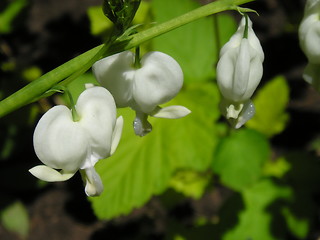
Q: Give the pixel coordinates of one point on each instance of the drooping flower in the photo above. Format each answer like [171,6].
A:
[309,37]
[239,72]
[157,81]
[67,145]
[309,31]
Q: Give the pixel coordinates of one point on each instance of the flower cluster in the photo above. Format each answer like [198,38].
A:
[239,72]
[309,36]
[70,140]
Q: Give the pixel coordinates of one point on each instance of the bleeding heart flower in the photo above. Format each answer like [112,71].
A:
[157,81]
[62,143]
[239,72]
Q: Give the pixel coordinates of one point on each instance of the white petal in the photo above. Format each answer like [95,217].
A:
[171,112]
[116,134]
[158,80]
[59,142]
[246,114]
[116,73]
[50,175]
[97,111]
[94,186]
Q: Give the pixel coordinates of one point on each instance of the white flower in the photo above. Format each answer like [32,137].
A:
[157,81]
[309,31]
[239,72]
[62,143]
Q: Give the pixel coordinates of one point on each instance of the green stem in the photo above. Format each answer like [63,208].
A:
[78,65]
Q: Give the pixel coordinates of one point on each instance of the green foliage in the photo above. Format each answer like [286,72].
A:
[142,167]
[190,183]
[98,22]
[120,12]
[15,218]
[255,219]
[240,157]
[276,168]
[194,45]
[100,26]
[270,103]
[9,14]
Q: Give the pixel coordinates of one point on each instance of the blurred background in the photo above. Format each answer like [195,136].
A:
[193,178]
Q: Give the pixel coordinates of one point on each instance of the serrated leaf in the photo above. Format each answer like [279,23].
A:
[270,103]
[15,219]
[239,158]
[194,45]
[142,167]
[254,220]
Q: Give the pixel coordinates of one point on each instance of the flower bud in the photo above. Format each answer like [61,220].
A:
[239,72]
[240,69]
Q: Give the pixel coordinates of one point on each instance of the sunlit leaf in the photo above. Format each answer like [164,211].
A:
[98,22]
[142,167]
[270,103]
[194,45]
[15,218]
[276,168]
[240,157]
[190,183]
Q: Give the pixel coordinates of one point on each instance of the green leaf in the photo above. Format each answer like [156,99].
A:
[298,226]
[270,103]
[240,157]
[190,183]
[15,219]
[120,12]
[142,167]
[276,168]
[194,45]
[255,220]
[98,22]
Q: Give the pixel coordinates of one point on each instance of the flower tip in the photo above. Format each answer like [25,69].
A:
[48,174]
[171,112]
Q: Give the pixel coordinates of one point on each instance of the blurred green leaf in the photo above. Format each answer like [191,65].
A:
[240,157]
[31,73]
[15,219]
[194,45]
[255,220]
[298,226]
[142,167]
[190,183]
[98,22]
[276,168]
[9,14]
[270,103]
